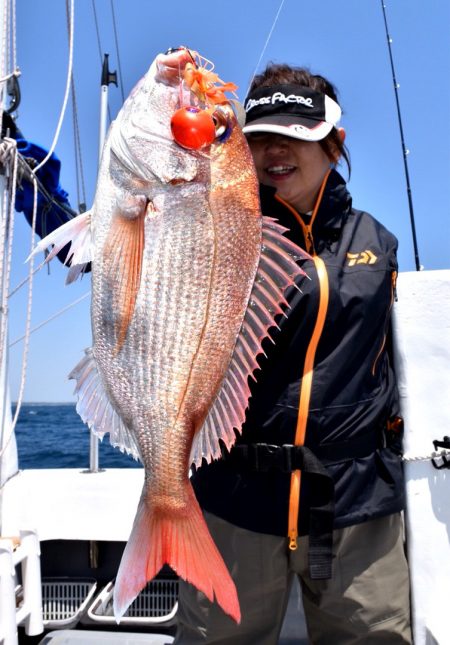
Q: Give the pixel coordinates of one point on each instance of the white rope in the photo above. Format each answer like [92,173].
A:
[6,275]
[2,251]
[5,160]
[7,148]
[4,61]
[28,319]
[52,317]
[427,457]
[9,27]
[6,242]
[14,35]
[265,44]
[6,262]
[66,95]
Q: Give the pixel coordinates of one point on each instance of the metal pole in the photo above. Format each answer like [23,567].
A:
[404,149]
[103,120]
[106,79]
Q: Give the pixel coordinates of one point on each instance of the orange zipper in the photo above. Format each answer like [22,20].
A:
[307,228]
[393,285]
[305,397]
[308,370]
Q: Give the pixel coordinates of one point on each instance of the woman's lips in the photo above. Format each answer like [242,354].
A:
[280,172]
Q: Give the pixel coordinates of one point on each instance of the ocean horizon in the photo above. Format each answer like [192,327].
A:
[52,435]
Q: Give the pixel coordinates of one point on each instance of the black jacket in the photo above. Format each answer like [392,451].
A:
[353,394]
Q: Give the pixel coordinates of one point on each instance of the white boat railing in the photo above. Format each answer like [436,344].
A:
[29,610]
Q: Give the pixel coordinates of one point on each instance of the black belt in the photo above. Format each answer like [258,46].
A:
[263,457]
[287,458]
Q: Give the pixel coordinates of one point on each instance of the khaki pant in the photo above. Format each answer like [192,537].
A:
[365,602]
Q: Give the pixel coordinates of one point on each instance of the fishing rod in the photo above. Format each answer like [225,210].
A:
[404,148]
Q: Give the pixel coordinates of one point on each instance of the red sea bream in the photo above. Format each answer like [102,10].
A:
[187,279]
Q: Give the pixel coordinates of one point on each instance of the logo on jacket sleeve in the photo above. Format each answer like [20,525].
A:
[364,257]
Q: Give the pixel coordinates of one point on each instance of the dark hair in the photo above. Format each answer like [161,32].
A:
[280,74]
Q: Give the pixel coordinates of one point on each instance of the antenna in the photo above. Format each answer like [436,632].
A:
[405,150]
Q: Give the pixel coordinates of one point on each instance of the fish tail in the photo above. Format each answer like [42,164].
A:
[184,543]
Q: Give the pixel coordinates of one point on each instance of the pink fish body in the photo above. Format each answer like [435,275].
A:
[187,278]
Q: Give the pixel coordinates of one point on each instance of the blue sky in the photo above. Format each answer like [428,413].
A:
[343,40]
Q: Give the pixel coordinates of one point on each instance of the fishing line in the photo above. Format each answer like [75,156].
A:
[97,30]
[404,148]
[66,94]
[79,174]
[24,281]
[52,317]
[99,46]
[117,51]
[265,44]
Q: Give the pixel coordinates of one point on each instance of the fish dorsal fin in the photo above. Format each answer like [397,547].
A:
[277,270]
[95,408]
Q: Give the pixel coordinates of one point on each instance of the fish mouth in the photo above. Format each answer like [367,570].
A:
[170,66]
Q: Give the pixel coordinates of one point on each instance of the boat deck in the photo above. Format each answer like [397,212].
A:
[83,520]
[293,632]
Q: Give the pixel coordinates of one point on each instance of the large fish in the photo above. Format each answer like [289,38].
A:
[187,279]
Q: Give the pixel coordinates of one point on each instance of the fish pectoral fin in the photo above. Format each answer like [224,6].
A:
[181,540]
[95,408]
[122,257]
[77,232]
[276,272]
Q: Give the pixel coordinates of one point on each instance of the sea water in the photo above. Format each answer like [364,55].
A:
[52,435]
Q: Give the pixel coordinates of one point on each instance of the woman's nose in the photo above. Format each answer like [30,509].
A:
[276,142]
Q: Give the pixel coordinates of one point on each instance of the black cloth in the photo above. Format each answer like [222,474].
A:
[353,389]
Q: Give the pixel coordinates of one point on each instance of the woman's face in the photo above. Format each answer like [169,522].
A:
[294,167]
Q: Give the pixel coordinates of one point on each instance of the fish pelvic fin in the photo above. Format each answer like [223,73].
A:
[77,232]
[181,540]
[123,253]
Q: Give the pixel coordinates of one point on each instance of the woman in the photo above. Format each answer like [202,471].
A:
[314,486]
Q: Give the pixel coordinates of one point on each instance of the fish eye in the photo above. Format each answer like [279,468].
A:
[223,118]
